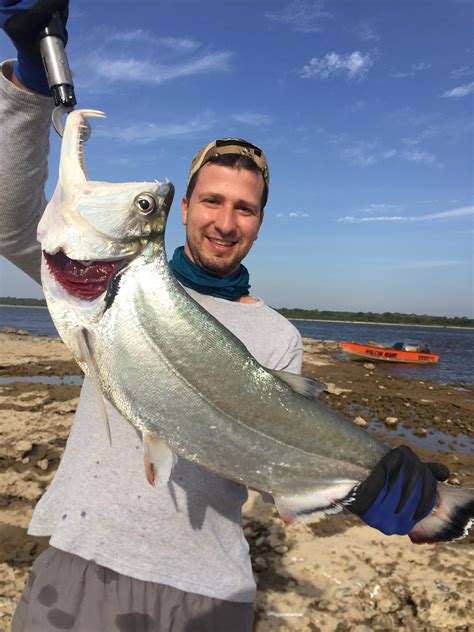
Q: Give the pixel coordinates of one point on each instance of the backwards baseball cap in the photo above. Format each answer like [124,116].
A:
[223,146]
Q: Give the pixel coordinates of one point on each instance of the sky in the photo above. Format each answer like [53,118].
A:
[364,110]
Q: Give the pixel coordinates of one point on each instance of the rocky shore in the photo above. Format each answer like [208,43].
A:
[332,574]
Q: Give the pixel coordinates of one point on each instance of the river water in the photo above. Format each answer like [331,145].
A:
[455,346]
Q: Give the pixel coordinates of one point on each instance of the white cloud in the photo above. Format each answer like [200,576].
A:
[365,32]
[354,65]
[416,155]
[365,154]
[145,133]
[179,44]
[376,208]
[293,215]
[463,211]
[139,71]
[304,16]
[414,70]
[460,91]
[464,71]
[252,118]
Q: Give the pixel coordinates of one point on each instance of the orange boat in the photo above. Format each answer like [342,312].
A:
[400,352]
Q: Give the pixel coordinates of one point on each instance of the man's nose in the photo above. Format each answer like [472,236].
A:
[225,220]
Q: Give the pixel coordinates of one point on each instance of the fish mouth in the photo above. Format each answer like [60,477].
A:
[83,279]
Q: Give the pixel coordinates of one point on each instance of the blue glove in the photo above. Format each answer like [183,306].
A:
[399,492]
[22,21]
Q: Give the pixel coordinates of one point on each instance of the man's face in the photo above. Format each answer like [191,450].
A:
[222,217]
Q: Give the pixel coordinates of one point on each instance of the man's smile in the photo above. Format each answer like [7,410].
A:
[220,245]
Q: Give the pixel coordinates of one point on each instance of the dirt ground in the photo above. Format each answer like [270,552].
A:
[332,574]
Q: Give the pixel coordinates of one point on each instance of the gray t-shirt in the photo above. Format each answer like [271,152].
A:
[99,505]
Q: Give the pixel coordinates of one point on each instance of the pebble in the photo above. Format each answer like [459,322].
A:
[259,541]
[22,332]
[336,390]
[420,432]
[281,549]
[43,464]
[260,563]
[454,481]
[8,330]
[391,421]
[24,446]
[369,366]
[381,386]
[360,421]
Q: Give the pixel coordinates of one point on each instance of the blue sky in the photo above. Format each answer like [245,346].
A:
[365,112]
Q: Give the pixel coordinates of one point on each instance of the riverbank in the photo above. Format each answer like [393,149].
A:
[334,573]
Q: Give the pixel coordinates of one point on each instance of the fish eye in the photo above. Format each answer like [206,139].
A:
[145,204]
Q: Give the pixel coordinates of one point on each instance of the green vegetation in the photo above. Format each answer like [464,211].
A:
[22,302]
[393,318]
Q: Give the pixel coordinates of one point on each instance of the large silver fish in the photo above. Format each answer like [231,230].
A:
[179,376]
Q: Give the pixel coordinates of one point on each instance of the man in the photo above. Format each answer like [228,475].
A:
[125,556]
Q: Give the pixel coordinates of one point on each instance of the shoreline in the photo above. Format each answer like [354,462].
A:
[363,322]
[308,320]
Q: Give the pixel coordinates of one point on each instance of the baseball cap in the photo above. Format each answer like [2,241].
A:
[223,146]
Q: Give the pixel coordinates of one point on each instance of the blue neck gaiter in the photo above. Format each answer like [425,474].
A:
[230,287]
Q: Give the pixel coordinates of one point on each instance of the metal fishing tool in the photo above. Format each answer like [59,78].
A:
[52,40]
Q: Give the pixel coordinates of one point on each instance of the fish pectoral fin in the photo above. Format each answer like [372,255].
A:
[329,499]
[305,386]
[158,459]
[84,355]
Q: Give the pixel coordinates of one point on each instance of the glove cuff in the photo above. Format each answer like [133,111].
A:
[31,75]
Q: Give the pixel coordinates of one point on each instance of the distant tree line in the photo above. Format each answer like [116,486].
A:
[22,302]
[372,317]
[316,314]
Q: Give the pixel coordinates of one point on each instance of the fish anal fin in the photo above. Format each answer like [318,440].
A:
[305,386]
[325,500]
[79,335]
[158,459]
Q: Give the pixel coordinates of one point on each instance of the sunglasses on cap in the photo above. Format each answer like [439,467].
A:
[223,146]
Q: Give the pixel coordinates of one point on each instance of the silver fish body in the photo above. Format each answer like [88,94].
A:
[180,377]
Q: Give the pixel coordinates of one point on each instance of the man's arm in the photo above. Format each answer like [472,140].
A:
[25,119]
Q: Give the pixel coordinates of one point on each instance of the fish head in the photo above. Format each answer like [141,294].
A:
[91,229]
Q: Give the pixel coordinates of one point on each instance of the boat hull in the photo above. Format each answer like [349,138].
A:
[362,352]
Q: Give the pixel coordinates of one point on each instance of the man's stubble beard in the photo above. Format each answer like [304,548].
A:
[216,265]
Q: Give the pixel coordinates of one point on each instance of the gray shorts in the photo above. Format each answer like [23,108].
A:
[66,592]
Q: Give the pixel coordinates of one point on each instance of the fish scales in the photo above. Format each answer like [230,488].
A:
[185,353]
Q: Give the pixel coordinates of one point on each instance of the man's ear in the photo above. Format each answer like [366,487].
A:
[184,211]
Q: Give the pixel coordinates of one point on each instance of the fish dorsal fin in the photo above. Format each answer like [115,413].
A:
[158,458]
[84,354]
[305,386]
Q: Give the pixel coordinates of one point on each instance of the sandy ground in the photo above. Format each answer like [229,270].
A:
[333,574]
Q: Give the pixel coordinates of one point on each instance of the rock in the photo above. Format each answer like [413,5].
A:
[22,332]
[369,366]
[281,549]
[420,432]
[24,446]
[259,541]
[391,421]
[260,563]
[336,390]
[382,386]
[360,421]
[454,481]
[43,464]
[8,330]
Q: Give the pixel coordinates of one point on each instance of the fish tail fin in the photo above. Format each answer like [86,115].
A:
[450,519]
[328,500]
